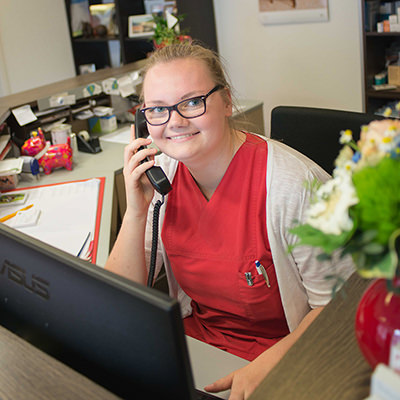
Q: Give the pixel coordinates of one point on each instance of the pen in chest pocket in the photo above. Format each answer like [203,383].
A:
[261,271]
[249,278]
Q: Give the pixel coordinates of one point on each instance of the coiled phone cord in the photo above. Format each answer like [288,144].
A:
[154,241]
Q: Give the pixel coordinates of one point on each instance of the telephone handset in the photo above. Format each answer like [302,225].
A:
[155,174]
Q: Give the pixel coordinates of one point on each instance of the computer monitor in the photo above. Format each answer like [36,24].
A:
[122,335]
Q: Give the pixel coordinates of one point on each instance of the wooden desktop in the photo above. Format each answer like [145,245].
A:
[325,363]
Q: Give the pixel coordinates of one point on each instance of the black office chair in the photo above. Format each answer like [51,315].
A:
[315,132]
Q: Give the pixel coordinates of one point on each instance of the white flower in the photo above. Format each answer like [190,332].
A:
[387,112]
[344,158]
[387,143]
[330,213]
[346,136]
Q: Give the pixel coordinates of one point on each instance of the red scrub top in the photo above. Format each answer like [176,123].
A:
[211,246]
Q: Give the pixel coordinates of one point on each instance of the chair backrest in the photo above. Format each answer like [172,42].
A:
[315,132]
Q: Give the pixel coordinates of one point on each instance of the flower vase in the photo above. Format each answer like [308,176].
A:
[377,319]
[179,39]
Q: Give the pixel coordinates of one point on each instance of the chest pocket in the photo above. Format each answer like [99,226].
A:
[261,301]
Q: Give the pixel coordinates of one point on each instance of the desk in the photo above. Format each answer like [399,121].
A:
[325,363]
[107,163]
[28,373]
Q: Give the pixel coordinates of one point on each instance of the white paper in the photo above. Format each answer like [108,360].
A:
[171,20]
[67,214]
[110,86]
[11,166]
[25,218]
[126,87]
[24,115]
[63,99]
[122,135]
[92,90]
[136,77]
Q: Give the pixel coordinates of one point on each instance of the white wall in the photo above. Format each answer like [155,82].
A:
[313,64]
[35,45]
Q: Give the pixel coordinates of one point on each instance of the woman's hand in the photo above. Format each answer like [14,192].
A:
[129,245]
[242,382]
[139,191]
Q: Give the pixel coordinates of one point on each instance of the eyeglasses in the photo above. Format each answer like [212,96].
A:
[188,108]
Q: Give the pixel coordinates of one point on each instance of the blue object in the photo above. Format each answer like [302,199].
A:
[34,165]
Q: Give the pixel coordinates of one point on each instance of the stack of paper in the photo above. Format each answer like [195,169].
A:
[11,166]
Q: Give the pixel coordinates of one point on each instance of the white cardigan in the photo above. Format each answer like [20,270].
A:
[301,278]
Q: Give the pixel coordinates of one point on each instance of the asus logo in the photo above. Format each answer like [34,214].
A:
[16,274]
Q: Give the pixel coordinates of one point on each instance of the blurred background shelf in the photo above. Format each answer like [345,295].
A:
[119,49]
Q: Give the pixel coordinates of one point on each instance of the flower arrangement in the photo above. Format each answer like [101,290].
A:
[167,30]
[357,211]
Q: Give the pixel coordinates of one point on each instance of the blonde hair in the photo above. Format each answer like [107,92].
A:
[195,51]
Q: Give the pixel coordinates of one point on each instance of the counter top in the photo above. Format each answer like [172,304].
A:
[325,363]
[104,164]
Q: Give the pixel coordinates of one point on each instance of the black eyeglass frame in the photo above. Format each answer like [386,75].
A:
[175,106]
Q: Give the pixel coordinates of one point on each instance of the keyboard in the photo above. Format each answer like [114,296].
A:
[205,396]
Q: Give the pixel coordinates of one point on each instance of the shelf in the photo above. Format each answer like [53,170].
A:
[382,34]
[112,38]
[380,49]
[384,94]
[112,50]
[95,39]
[142,36]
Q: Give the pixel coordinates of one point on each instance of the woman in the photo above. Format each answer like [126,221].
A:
[225,224]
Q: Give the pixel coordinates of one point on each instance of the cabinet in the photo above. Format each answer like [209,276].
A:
[114,50]
[199,20]
[120,49]
[379,48]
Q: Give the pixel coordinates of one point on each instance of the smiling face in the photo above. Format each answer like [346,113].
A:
[187,140]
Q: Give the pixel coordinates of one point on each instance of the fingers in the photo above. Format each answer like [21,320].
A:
[237,386]
[134,154]
[135,163]
[133,135]
[221,384]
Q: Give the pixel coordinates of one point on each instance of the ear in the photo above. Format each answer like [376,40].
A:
[228,101]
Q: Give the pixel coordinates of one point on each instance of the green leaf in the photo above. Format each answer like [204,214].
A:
[311,236]
[384,268]
[367,236]
[324,257]
[374,248]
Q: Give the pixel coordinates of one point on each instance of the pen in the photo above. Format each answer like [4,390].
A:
[90,251]
[249,278]
[9,216]
[261,271]
[84,244]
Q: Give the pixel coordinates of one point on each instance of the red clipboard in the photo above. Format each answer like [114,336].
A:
[95,241]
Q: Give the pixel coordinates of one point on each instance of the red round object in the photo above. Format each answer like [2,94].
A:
[378,315]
